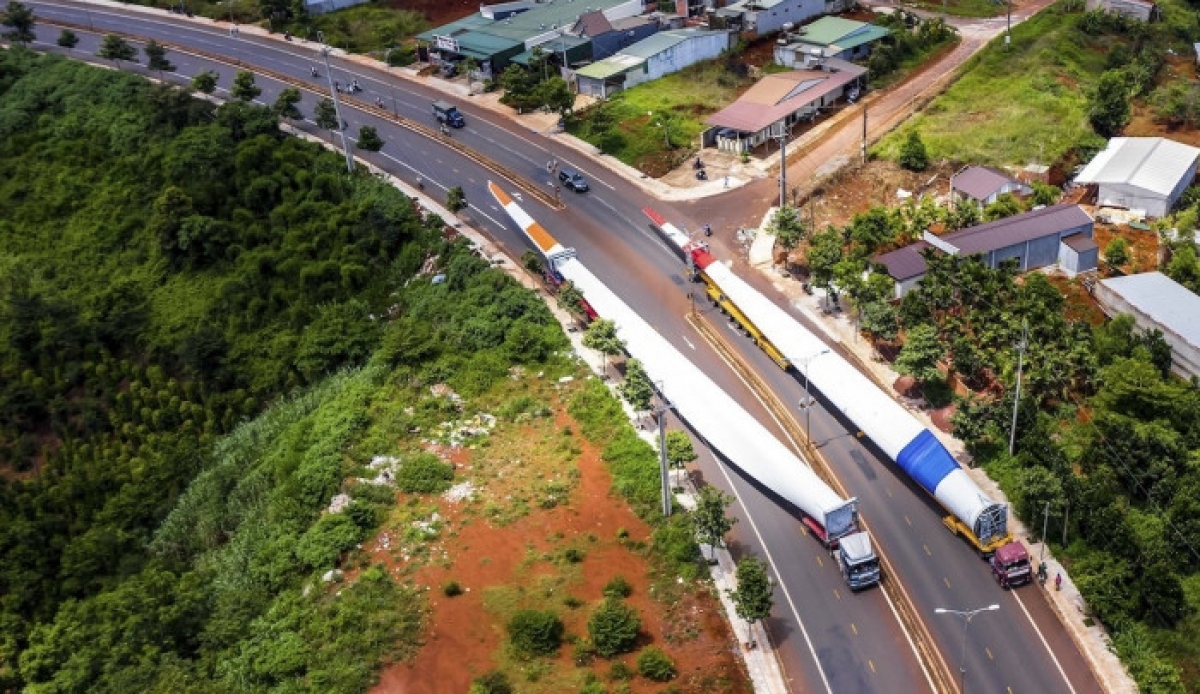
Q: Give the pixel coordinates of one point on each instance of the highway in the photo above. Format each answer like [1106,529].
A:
[827,639]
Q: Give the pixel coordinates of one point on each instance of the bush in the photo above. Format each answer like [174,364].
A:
[912,154]
[424,474]
[620,672]
[614,628]
[491,683]
[584,653]
[574,555]
[452,589]
[325,541]
[618,587]
[533,632]
[654,664]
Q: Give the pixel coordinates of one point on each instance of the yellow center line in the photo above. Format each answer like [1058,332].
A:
[871,664]
[906,520]
[989,652]
[927,550]
[947,581]
[854,628]
[837,594]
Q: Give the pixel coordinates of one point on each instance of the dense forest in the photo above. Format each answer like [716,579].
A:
[198,317]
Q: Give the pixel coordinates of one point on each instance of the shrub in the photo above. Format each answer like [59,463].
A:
[654,664]
[574,555]
[424,474]
[912,153]
[584,653]
[533,632]
[618,587]
[491,683]
[619,672]
[614,628]
[321,545]
[452,589]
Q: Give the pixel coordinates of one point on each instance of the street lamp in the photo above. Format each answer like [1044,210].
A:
[966,615]
[808,401]
[660,414]
[783,138]
[337,106]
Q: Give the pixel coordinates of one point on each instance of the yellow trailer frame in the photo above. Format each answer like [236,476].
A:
[715,295]
[984,549]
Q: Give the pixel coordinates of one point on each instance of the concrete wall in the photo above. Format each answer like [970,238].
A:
[613,42]
[695,49]
[772,20]
[1037,252]
[1074,262]
[1130,197]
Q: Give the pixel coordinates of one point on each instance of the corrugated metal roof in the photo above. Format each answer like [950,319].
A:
[979,182]
[777,95]
[827,31]
[904,263]
[1019,228]
[1164,300]
[653,45]
[1080,243]
[521,27]
[1155,164]
[609,67]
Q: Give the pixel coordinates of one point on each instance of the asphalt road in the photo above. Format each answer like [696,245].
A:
[828,639]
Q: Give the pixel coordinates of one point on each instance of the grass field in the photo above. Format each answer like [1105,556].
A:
[1018,105]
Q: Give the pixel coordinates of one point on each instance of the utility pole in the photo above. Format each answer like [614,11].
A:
[1008,27]
[660,414]
[782,137]
[337,105]
[864,134]
[1021,346]
[1045,526]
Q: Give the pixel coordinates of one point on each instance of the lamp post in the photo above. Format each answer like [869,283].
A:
[388,62]
[337,106]
[1021,347]
[966,617]
[783,138]
[808,401]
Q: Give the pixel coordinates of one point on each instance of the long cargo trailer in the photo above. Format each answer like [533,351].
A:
[900,435]
[726,426]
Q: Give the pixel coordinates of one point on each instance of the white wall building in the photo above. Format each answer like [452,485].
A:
[1141,173]
[1158,302]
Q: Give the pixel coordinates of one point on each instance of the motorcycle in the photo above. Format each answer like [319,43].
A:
[702,175]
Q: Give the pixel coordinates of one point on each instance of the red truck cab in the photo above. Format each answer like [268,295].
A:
[1010,565]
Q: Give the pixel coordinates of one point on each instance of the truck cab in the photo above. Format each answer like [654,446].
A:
[858,561]
[448,114]
[1010,565]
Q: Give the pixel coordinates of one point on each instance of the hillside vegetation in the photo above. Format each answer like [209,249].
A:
[170,269]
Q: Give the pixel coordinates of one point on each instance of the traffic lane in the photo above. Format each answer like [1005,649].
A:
[942,570]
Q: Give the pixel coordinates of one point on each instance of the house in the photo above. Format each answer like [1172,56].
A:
[1141,173]
[779,101]
[499,33]
[982,185]
[1059,234]
[763,17]
[323,6]
[649,59]
[610,37]
[1158,302]
[1141,10]
[828,37]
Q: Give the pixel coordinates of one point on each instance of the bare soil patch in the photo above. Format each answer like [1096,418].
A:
[504,564]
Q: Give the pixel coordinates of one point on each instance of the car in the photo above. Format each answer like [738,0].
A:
[572,180]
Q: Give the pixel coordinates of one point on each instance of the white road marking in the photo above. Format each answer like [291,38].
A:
[1043,640]
[689,342]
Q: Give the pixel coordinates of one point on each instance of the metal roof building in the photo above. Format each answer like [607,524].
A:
[1158,302]
[1058,234]
[1141,173]
[984,185]
[652,57]
[829,37]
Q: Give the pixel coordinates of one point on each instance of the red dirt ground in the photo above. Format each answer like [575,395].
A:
[463,638]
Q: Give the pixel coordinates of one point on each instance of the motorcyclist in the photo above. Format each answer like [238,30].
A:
[354,86]
[313,71]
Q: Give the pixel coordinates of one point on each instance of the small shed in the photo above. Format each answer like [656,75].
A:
[983,185]
[1141,173]
[1158,302]
[1078,253]
[1141,10]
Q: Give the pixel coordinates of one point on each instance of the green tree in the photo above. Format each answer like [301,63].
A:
[710,518]
[456,199]
[156,57]
[654,664]
[369,139]
[602,336]
[752,598]
[534,632]
[570,298]
[824,253]
[613,628]
[963,216]
[205,82]
[637,389]
[493,682]
[556,95]
[1117,252]
[285,104]
[879,320]
[920,354]
[18,17]
[680,451]
[1045,194]
[1184,267]
[1006,205]
[789,231]
[244,88]
[1108,105]
[1177,103]
[912,153]
[116,49]
[68,40]
[325,116]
